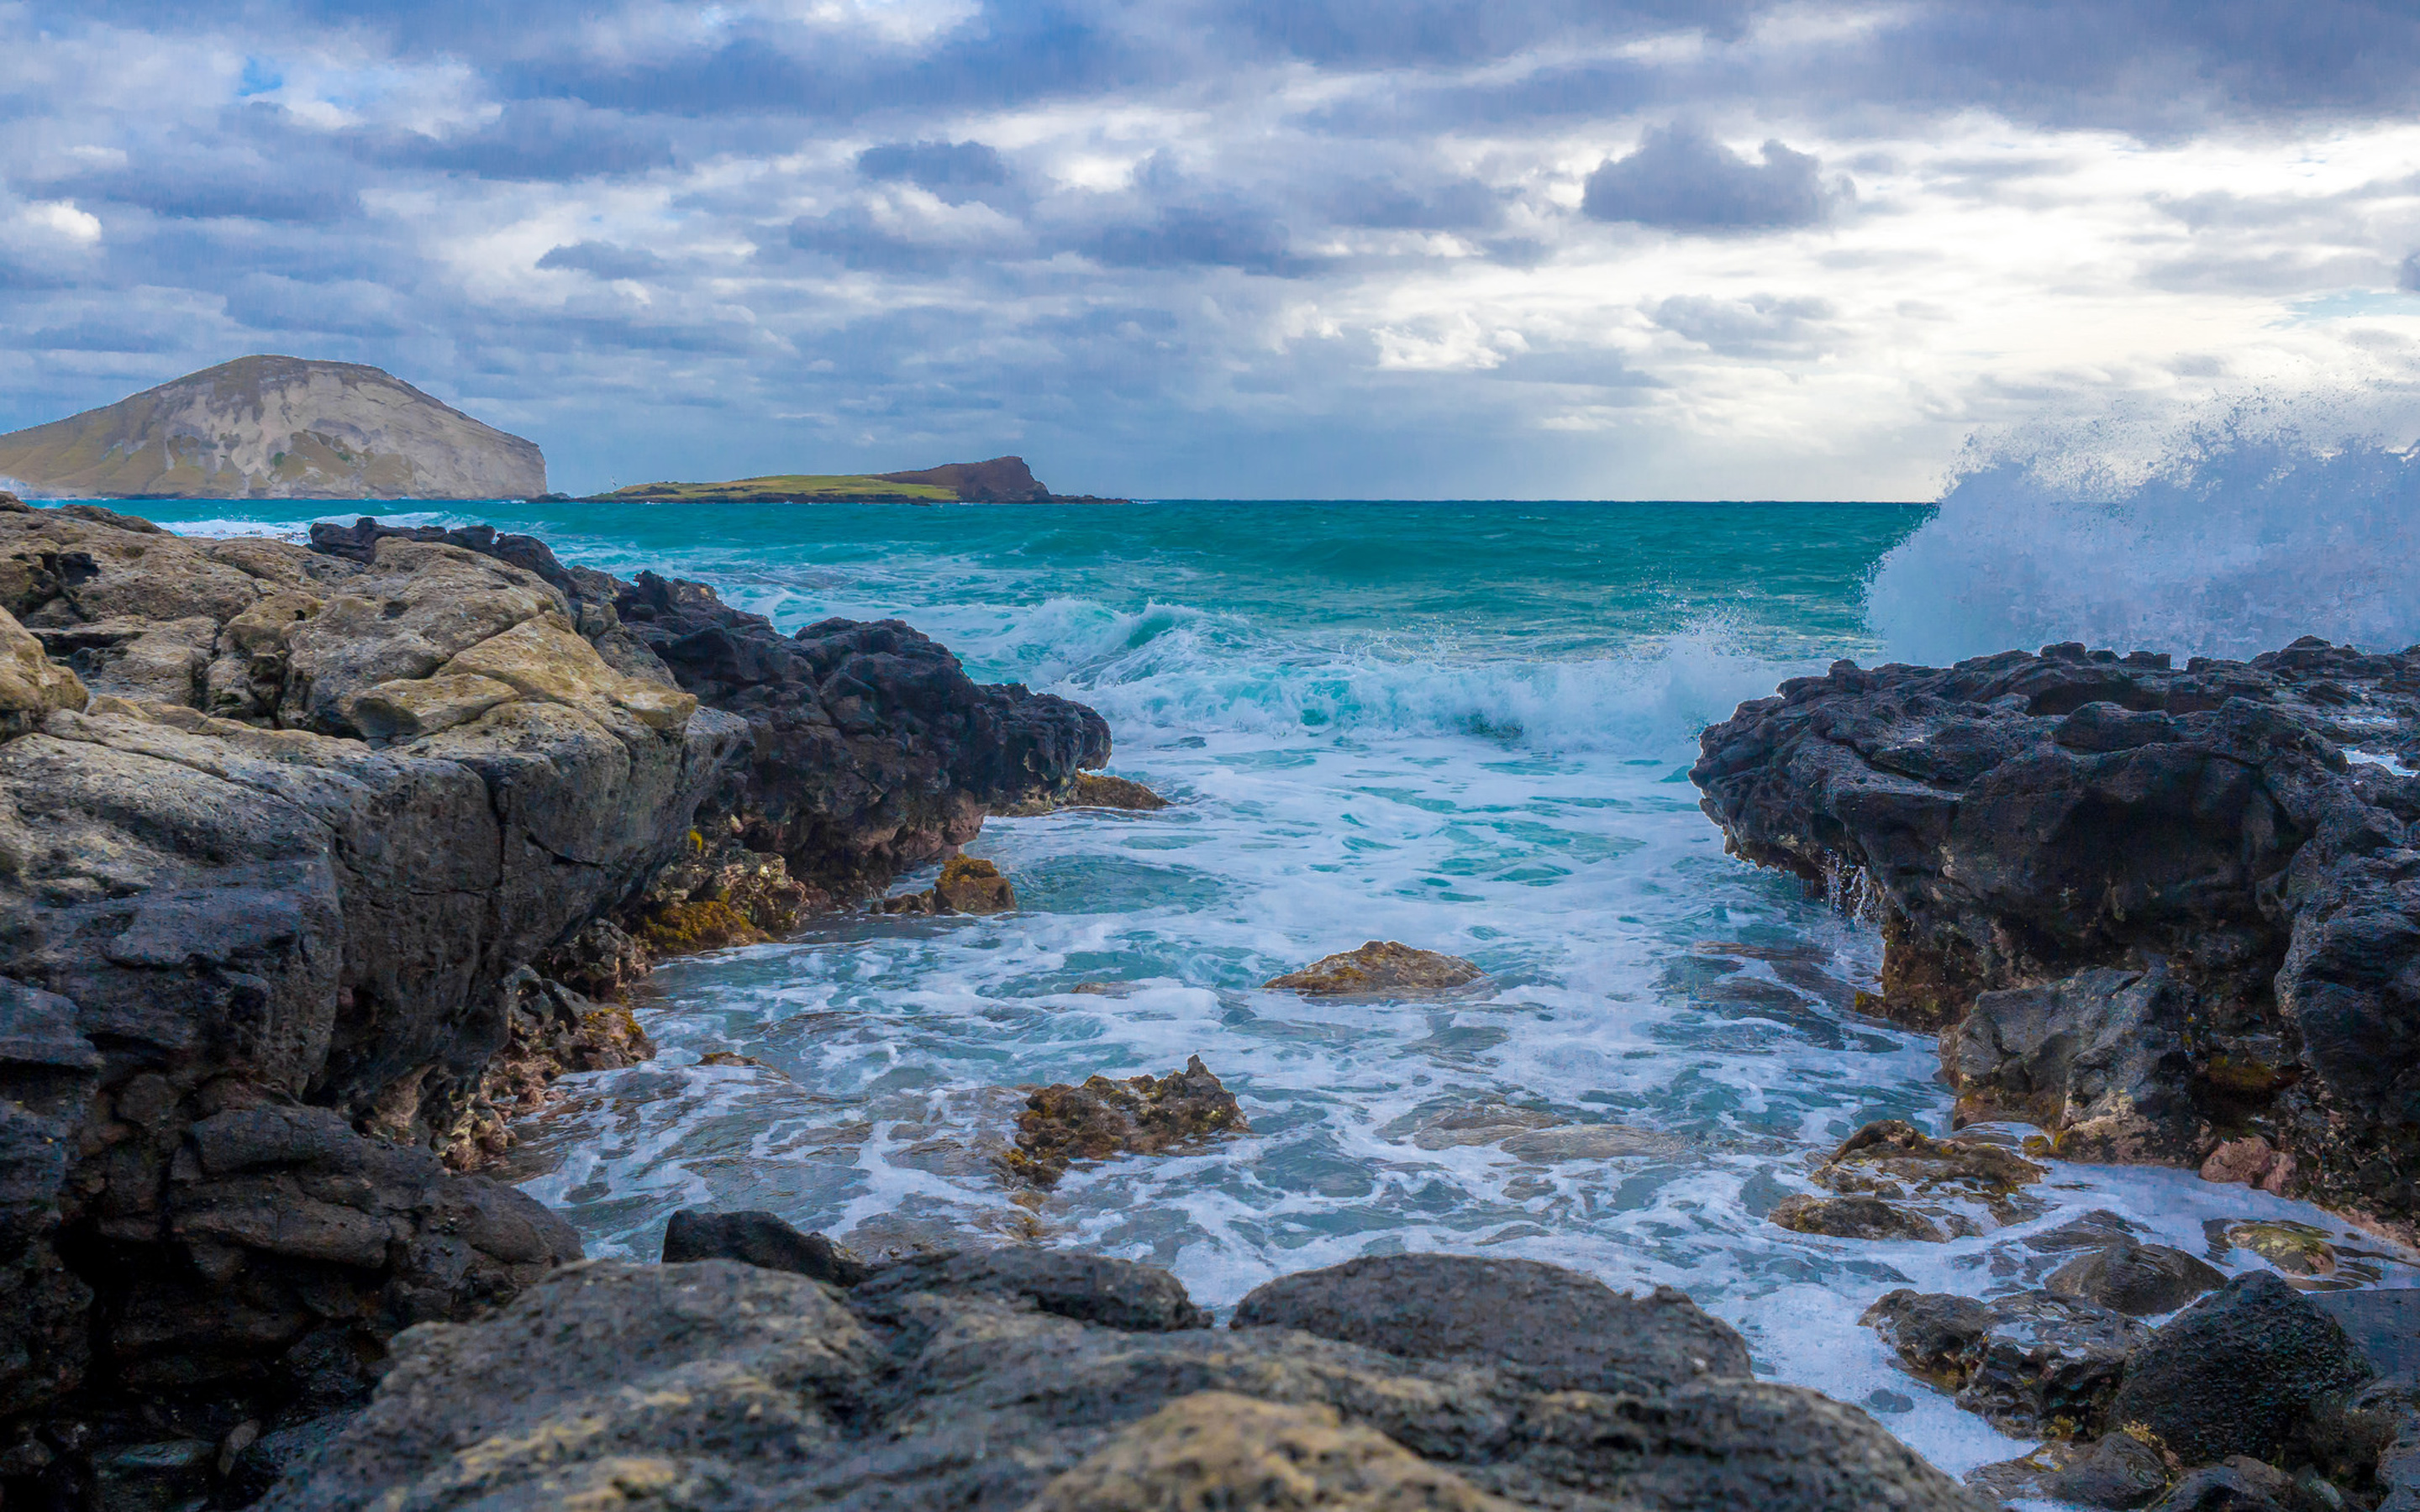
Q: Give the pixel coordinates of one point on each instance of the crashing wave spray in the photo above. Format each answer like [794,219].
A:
[2237,538]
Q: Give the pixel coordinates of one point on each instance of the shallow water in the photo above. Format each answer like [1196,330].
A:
[1462,726]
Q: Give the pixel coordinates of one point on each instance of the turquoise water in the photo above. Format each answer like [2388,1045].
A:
[1462,726]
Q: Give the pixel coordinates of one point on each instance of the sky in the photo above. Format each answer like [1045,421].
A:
[1257,248]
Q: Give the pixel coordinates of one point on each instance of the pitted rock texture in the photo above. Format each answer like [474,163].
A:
[2151,909]
[284,866]
[2032,1363]
[1378,967]
[1104,1118]
[716,1386]
[2238,1370]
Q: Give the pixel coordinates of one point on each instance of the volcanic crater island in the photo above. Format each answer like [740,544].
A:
[325,861]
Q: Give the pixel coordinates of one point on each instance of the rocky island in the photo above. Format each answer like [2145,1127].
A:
[274,427]
[1003,480]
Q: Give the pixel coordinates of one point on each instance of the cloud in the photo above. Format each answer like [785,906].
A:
[603,258]
[1760,326]
[953,172]
[2408,276]
[1681,180]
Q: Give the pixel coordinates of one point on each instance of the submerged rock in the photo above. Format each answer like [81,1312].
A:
[968,885]
[2140,1280]
[2080,857]
[720,1386]
[2234,1372]
[1093,789]
[1854,1218]
[2297,1249]
[1898,1182]
[1104,1118]
[2033,1364]
[1378,967]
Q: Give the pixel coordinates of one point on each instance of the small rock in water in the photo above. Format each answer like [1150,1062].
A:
[1141,1116]
[1854,1218]
[969,885]
[2140,1280]
[1892,1159]
[727,1057]
[1219,1449]
[1378,967]
[1099,790]
[761,1240]
[2030,1363]
[2296,1249]
[2119,1470]
[2096,1229]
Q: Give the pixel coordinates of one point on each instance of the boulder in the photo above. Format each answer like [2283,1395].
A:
[715,1385]
[761,1240]
[31,685]
[1854,1218]
[1557,1328]
[2226,1489]
[2233,1373]
[1089,1289]
[1104,1118]
[969,885]
[2138,1280]
[1217,1448]
[1378,967]
[2118,1471]
[2129,848]
[2033,1364]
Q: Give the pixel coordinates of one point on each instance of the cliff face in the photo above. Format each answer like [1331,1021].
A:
[279,829]
[275,427]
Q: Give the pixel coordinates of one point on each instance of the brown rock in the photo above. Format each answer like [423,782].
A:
[31,685]
[1218,1449]
[1099,790]
[1892,1159]
[1857,1217]
[969,885]
[1378,967]
[1102,1119]
[2240,1162]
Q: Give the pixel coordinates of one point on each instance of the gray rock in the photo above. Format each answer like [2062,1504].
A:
[2118,1471]
[2233,1373]
[1089,1289]
[2219,1489]
[2099,1057]
[2140,1280]
[2030,1364]
[715,1385]
[1561,1329]
[759,1238]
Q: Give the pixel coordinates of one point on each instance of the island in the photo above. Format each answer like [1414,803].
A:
[1003,480]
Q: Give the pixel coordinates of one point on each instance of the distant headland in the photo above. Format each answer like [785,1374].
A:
[294,427]
[1003,480]
[275,427]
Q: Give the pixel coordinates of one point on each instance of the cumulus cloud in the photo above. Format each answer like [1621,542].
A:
[953,172]
[2408,276]
[1681,180]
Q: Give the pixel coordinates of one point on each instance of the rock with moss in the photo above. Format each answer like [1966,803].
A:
[1376,968]
[1105,1119]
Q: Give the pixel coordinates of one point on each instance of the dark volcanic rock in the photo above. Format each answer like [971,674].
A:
[2140,1280]
[713,1386]
[759,1238]
[1562,1330]
[2139,900]
[2233,1373]
[1102,1119]
[2031,1363]
[1089,1289]
[1859,1217]
[2222,1488]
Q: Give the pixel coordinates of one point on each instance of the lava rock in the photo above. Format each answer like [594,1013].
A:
[1102,1119]
[1089,1289]
[2117,1471]
[2224,1489]
[721,1386]
[2047,825]
[1565,1330]
[762,1240]
[2140,1280]
[970,884]
[1889,1158]
[2031,1363]
[2233,1373]
[1378,967]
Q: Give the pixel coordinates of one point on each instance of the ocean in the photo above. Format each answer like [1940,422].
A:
[1463,726]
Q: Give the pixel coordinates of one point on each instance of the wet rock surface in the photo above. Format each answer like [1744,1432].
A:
[2234,1373]
[761,1240]
[2140,1280]
[1105,1119]
[268,889]
[1895,1182]
[2153,909]
[1378,967]
[2030,1364]
[717,1385]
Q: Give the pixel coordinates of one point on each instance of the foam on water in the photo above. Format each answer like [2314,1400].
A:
[1464,727]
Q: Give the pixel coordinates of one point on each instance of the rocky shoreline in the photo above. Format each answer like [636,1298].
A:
[294,842]
[320,865]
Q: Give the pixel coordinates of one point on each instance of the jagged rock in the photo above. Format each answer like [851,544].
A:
[283,866]
[2031,821]
[2030,1364]
[1378,967]
[2233,1373]
[761,1240]
[969,885]
[1215,1448]
[1557,1328]
[715,1385]
[1102,1119]
[2140,1280]
[2118,1471]
[31,685]
[1854,1218]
